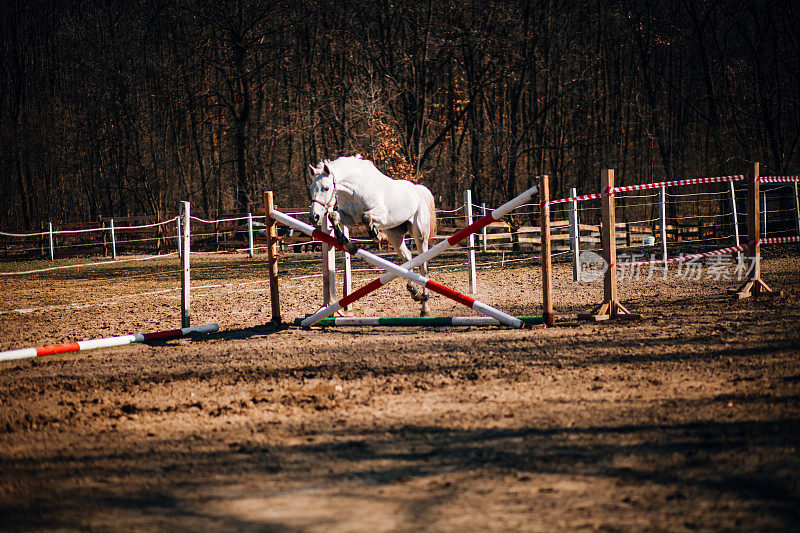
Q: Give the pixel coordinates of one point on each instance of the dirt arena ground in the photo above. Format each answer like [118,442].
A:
[686,420]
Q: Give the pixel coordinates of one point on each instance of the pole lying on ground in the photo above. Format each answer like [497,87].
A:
[432,252]
[107,342]
[414,321]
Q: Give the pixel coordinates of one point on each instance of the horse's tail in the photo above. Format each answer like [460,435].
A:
[428,197]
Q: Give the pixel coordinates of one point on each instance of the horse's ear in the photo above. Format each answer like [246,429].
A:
[312,169]
[326,169]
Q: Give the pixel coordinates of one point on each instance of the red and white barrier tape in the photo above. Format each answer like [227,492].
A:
[779,240]
[778,179]
[721,251]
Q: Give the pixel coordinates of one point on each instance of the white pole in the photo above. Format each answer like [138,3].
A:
[663,216]
[574,235]
[735,214]
[763,214]
[483,231]
[348,275]
[113,241]
[250,233]
[178,226]
[185,265]
[50,235]
[473,282]
[328,267]
[106,342]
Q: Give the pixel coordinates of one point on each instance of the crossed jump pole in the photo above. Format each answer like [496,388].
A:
[394,271]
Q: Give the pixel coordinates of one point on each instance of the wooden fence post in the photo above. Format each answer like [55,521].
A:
[272,257]
[547,259]
[755,285]
[185,265]
[611,307]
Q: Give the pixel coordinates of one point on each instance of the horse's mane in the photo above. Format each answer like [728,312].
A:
[353,164]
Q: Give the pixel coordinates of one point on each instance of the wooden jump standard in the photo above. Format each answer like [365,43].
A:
[393,270]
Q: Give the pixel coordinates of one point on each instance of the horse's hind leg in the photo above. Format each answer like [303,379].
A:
[396,238]
[421,240]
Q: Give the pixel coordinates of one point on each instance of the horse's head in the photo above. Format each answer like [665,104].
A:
[322,191]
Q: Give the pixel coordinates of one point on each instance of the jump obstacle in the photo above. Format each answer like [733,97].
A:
[405,270]
[107,342]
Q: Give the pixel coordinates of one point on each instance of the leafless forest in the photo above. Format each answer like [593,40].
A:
[124,107]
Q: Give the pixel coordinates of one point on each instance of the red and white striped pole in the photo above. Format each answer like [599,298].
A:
[107,342]
[432,252]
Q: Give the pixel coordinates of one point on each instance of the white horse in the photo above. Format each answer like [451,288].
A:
[353,192]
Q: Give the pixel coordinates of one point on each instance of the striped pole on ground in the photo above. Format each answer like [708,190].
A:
[413,321]
[107,342]
[432,252]
[395,270]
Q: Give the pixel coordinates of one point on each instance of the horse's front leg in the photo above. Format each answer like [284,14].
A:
[335,220]
[366,219]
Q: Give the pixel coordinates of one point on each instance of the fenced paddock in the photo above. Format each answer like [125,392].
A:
[688,417]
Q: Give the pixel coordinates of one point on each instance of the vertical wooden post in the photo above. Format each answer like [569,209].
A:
[113,241]
[735,215]
[185,265]
[662,214]
[50,237]
[611,307]
[574,235]
[250,250]
[272,257]
[473,282]
[755,285]
[328,267]
[547,259]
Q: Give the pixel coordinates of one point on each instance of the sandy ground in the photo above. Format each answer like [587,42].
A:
[688,419]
